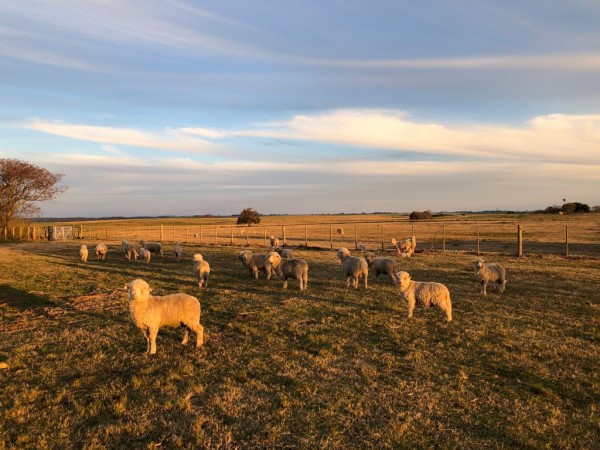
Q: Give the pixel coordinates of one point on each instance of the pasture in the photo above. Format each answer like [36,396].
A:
[330,368]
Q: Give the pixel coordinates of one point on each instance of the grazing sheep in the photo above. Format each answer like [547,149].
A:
[406,247]
[101,251]
[354,267]
[201,270]
[381,265]
[340,231]
[256,263]
[290,268]
[284,252]
[83,253]
[129,250]
[154,247]
[274,241]
[487,272]
[177,251]
[426,293]
[149,313]
[145,254]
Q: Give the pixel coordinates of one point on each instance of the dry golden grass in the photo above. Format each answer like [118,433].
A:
[332,368]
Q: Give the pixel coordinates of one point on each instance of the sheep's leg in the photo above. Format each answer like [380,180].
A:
[199,330]
[394,279]
[268,272]
[483,287]
[449,313]
[348,282]
[285,283]
[502,286]
[153,333]
[255,272]
[147,336]
[366,283]
[186,334]
[411,306]
[205,284]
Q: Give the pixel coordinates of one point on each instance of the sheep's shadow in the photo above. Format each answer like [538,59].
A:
[16,298]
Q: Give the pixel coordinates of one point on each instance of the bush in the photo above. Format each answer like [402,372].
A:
[420,215]
[248,217]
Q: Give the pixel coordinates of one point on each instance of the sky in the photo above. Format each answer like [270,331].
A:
[179,107]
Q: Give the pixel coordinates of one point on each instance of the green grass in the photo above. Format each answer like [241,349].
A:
[332,368]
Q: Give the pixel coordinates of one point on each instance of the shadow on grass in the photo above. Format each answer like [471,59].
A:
[22,300]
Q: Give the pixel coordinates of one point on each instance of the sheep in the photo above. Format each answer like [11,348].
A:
[149,313]
[290,268]
[284,252]
[354,267]
[487,272]
[83,253]
[129,250]
[177,251]
[426,293]
[154,247]
[145,254]
[406,247]
[381,265]
[201,270]
[255,263]
[274,241]
[340,231]
[101,251]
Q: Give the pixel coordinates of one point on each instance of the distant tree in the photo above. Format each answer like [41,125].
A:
[575,207]
[420,215]
[554,209]
[21,185]
[248,216]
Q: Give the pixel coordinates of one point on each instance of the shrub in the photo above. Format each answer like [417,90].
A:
[420,215]
[248,217]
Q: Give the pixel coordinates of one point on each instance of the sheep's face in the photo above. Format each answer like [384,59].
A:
[198,257]
[274,259]
[478,264]
[245,257]
[138,290]
[342,252]
[370,257]
[404,278]
[406,246]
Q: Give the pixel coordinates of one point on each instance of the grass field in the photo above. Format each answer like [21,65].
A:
[331,368]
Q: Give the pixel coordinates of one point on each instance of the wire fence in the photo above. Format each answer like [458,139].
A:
[574,238]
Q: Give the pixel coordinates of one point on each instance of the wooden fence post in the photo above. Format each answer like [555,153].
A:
[444,238]
[187,235]
[161,233]
[382,237]
[216,235]
[201,234]
[265,232]
[355,238]
[248,237]
[305,236]
[231,242]
[477,240]
[566,240]
[519,241]
[284,238]
[331,237]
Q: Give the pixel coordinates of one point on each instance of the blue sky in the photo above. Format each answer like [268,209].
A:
[188,107]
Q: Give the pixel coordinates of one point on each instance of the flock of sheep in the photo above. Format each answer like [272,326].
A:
[149,312]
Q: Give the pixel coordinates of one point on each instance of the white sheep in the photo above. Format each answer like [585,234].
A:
[284,252]
[426,293]
[154,247]
[145,254]
[274,241]
[382,265]
[290,268]
[487,272]
[201,270]
[406,247]
[101,251]
[353,267]
[256,263]
[83,253]
[149,313]
[177,251]
[340,231]
[129,250]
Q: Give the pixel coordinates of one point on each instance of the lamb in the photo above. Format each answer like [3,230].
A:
[256,263]
[145,254]
[101,251]
[149,313]
[177,251]
[406,247]
[274,241]
[381,265]
[284,252]
[354,267]
[83,253]
[154,247]
[426,293]
[487,272]
[290,268]
[129,250]
[201,270]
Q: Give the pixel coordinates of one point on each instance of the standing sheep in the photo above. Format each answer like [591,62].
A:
[177,251]
[149,313]
[145,254]
[290,268]
[274,241]
[426,293]
[201,270]
[129,250]
[406,247]
[83,253]
[353,267]
[284,252]
[154,247]
[256,263]
[487,272]
[381,265]
[101,251]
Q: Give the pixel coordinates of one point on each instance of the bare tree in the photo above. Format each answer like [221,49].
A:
[22,184]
